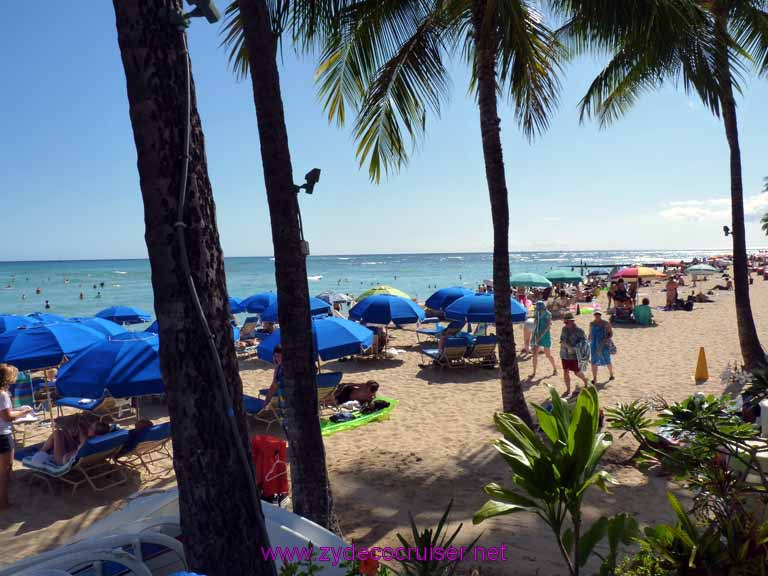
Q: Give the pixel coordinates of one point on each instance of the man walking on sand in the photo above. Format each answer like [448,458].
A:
[572,340]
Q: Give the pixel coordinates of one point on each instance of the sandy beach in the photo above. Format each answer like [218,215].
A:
[435,446]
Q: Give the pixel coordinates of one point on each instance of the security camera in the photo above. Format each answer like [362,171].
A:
[205,8]
[311,178]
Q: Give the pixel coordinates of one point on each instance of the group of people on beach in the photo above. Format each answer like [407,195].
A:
[577,349]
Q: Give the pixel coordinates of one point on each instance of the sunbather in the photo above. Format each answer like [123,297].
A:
[362,393]
[63,444]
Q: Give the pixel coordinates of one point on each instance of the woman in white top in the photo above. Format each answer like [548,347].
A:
[8,375]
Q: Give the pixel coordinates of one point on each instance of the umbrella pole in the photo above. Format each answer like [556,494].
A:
[48,397]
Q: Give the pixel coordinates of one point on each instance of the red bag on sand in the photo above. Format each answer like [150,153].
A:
[269,459]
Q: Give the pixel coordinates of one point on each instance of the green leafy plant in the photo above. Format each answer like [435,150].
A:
[642,564]
[430,539]
[551,476]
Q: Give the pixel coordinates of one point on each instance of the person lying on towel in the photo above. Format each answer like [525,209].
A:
[362,393]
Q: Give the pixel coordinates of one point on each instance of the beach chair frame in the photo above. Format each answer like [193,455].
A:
[146,454]
[483,353]
[87,470]
[452,355]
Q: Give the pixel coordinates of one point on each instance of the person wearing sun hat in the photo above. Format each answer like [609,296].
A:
[600,334]
[572,338]
[541,338]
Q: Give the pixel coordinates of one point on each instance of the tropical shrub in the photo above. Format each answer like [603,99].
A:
[551,476]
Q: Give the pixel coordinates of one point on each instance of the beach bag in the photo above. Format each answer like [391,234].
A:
[611,347]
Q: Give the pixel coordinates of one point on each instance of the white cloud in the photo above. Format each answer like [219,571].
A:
[713,209]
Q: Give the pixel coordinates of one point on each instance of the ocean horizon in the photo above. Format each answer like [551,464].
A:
[127,281]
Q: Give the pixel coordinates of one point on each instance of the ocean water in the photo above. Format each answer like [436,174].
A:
[127,282]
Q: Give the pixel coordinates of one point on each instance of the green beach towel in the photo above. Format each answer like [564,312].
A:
[327,427]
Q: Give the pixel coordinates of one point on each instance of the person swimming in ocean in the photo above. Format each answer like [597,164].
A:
[47,305]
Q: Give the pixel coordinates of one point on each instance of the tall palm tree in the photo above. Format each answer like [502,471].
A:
[384,60]
[707,45]
[254,29]
[219,517]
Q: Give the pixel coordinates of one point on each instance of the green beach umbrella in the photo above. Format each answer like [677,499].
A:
[383,289]
[529,279]
[563,276]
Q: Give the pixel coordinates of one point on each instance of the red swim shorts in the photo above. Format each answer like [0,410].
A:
[570,364]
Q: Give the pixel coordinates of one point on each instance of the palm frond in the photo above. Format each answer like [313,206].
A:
[749,29]
[308,21]
[530,59]
[409,84]
[618,86]
[368,34]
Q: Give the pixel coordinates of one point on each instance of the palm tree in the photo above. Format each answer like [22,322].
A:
[384,60]
[254,28]
[221,517]
[705,44]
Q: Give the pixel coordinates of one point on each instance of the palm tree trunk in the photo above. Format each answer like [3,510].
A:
[512,396]
[219,519]
[309,477]
[751,349]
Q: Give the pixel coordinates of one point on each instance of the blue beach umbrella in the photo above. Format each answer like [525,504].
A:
[317,307]
[529,279]
[45,345]
[385,308]
[479,308]
[106,327]
[152,328]
[126,365]
[11,322]
[333,338]
[124,315]
[236,305]
[445,296]
[257,303]
[46,317]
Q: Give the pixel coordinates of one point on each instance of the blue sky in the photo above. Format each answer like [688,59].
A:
[70,189]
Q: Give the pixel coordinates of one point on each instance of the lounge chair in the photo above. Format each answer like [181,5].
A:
[92,462]
[149,446]
[139,553]
[452,354]
[117,409]
[483,351]
[327,382]
[453,328]
[250,327]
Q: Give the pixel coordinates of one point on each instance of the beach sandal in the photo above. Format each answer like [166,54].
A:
[565,394]
[611,378]
[575,393]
